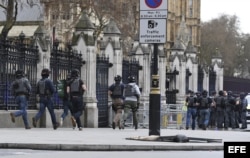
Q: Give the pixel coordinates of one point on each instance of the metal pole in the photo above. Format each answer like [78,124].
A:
[155,98]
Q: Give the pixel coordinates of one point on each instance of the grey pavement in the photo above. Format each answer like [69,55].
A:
[107,139]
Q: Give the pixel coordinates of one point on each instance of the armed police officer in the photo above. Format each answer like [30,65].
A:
[75,90]
[132,101]
[220,108]
[66,100]
[21,89]
[237,111]
[45,90]
[191,110]
[229,110]
[212,118]
[243,110]
[204,102]
[116,93]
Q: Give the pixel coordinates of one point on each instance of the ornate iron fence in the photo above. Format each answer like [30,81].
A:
[171,90]
[130,68]
[200,78]
[102,71]
[236,84]
[188,74]
[212,80]
[61,63]
[16,55]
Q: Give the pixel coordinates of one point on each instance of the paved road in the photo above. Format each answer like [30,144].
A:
[107,139]
[20,153]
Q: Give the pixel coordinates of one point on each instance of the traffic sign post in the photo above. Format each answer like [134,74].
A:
[154,31]
[153,15]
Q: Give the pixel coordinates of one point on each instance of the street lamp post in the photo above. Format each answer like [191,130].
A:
[155,98]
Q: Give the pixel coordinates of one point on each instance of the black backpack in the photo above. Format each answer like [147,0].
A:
[129,90]
[21,86]
[204,102]
[190,101]
[75,86]
[42,87]
[218,101]
[117,90]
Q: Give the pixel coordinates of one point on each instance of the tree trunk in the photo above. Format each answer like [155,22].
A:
[10,18]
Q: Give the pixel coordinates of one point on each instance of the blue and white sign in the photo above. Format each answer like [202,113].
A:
[152,31]
[153,5]
[153,15]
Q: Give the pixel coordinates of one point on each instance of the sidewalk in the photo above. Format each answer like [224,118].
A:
[107,139]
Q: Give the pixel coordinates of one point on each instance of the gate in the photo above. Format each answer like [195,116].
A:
[171,86]
[61,63]
[212,80]
[130,68]
[17,55]
[102,71]
[200,78]
[236,84]
[188,74]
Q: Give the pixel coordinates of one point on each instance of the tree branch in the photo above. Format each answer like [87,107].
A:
[2,6]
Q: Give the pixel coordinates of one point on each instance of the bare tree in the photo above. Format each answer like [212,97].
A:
[222,33]
[123,12]
[10,8]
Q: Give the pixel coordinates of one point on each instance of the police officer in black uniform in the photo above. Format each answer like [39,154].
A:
[203,102]
[75,90]
[229,111]
[220,108]
[45,91]
[243,110]
[237,111]
[191,110]
[212,118]
[116,93]
[66,101]
[21,89]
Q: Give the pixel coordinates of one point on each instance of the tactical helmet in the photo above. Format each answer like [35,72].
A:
[19,73]
[221,93]
[229,93]
[198,93]
[204,93]
[75,73]
[190,91]
[45,72]
[118,78]
[131,79]
[242,95]
[213,93]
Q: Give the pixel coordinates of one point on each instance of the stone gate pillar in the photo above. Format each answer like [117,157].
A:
[84,41]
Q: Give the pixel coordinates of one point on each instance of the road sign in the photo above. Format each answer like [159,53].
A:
[152,31]
[153,5]
[153,15]
[155,9]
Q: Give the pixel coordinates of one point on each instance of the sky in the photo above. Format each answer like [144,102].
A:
[211,9]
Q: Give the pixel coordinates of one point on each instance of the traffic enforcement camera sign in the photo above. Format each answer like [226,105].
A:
[152,31]
[153,15]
